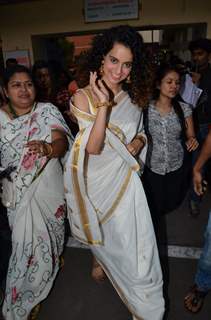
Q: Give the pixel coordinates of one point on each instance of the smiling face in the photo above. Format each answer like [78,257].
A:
[20,91]
[117,65]
[170,84]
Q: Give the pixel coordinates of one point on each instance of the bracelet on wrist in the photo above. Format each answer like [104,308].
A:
[49,150]
[142,139]
[107,104]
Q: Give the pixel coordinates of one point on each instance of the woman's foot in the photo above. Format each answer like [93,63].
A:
[97,272]
[194,299]
[34,313]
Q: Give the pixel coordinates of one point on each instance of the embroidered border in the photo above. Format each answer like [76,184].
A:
[79,197]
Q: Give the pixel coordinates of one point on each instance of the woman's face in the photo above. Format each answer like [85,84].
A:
[117,64]
[20,90]
[170,84]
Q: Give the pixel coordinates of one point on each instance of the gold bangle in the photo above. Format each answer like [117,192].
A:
[107,104]
[142,139]
[49,154]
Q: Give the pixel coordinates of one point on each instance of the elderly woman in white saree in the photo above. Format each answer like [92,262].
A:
[33,138]
[107,206]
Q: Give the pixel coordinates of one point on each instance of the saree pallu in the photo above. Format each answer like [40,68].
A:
[108,210]
[37,219]
[37,240]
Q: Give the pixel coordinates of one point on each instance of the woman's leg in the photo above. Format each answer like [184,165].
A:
[175,188]
[153,187]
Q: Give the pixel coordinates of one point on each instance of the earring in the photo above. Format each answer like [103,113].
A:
[101,70]
[128,80]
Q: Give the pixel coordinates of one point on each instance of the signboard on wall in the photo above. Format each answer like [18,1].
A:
[110,10]
[22,56]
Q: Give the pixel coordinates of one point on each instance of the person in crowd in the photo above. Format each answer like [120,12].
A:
[107,205]
[201,74]
[43,80]
[195,297]
[11,62]
[81,78]
[5,234]
[51,85]
[33,138]
[62,78]
[169,128]
[5,249]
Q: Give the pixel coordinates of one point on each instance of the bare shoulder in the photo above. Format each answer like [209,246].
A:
[80,101]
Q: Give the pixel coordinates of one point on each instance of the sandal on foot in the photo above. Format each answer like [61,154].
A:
[97,272]
[194,300]
[34,313]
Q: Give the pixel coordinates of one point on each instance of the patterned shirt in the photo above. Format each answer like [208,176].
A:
[167,151]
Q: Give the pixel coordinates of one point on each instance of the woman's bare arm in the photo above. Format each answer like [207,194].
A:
[191,142]
[97,135]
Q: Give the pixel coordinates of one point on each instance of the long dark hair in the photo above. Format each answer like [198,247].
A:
[138,88]
[160,73]
[10,71]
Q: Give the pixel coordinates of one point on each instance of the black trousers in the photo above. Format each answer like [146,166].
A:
[165,192]
[5,244]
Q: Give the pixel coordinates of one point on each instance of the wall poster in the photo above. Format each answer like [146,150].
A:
[111,10]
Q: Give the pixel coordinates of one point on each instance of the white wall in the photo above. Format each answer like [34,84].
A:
[19,22]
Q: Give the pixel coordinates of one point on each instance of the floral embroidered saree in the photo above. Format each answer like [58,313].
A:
[37,220]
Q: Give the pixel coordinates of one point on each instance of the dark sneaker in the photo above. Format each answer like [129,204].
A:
[194,208]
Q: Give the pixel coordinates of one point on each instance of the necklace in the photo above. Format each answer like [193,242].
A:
[14,113]
[12,110]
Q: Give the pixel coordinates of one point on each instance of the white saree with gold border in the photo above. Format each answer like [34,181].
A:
[108,210]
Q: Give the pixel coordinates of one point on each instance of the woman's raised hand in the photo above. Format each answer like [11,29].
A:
[98,88]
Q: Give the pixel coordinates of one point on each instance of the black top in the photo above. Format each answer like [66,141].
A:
[202,112]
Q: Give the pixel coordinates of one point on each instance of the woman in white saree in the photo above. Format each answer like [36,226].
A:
[33,138]
[107,206]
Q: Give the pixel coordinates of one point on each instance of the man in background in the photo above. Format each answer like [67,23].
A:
[201,76]
[195,298]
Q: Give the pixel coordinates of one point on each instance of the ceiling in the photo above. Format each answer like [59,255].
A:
[3,2]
